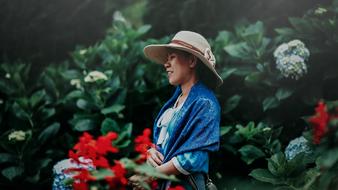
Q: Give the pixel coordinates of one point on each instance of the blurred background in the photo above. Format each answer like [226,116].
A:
[46,31]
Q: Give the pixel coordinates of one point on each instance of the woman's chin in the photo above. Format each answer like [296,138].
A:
[174,83]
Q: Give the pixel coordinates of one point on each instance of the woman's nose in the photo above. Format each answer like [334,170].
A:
[166,64]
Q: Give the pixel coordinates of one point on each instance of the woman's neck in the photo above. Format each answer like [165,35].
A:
[187,86]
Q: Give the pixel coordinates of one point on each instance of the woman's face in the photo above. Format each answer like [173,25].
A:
[179,67]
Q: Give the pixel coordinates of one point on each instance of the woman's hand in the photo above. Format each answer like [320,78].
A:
[136,180]
[155,158]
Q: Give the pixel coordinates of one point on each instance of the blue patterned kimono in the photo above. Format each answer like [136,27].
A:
[196,126]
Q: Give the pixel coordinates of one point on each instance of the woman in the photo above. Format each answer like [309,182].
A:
[187,127]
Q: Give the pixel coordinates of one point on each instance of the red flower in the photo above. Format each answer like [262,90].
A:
[118,180]
[176,188]
[142,144]
[100,162]
[80,186]
[81,178]
[83,175]
[319,122]
[154,184]
[95,151]
[73,155]
[104,144]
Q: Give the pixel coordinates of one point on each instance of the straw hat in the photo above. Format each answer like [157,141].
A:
[188,41]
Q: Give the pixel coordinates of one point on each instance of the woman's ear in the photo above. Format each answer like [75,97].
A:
[192,61]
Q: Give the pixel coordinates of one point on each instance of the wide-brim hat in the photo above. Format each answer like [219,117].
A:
[187,41]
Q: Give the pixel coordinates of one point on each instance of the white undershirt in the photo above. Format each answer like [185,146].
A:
[164,121]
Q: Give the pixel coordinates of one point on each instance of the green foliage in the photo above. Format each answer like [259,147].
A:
[29,123]
[246,60]
[251,142]
[327,152]
[285,174]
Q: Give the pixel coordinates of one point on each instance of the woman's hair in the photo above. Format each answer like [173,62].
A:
[205,75]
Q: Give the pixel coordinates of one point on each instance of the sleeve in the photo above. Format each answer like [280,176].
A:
[189,162]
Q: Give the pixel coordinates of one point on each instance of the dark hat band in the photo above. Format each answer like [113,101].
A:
[187,45]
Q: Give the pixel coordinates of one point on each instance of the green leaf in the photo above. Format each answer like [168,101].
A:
[249,131]
[265,176]
[269,103]
[5,157]
[250,153]
[277,164]
[123,144]
[232,103]
[48,133]
[85,125]
[113,109]
[328,158]
[275,146]
[253,79]
[114,84]
[254,33]
[84,122]
[239,50]
[44,163]
[227,72]
[50,85]
[102,173]
[296,165]
[6,88]
[224,37]
[124,136]
[19,112]
[143,29]
[46,113]
[284,188]
[35,178]
[148,170]
[84,104]
[12,172]
[71,74]
[285,31]
[121,97]
[109,125]
[301,25]
[75,94]
[225,130]
[37,97]
[283,93]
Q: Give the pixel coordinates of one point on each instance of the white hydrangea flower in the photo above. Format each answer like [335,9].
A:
[76,83]
[296,43]
[17,136]
[83,51]
[70,163]
[296,146]
[267,129]
[119,17]
[290,59]
[281,50]
[61,174]
[298,48]
[95,76]
[320,10]
[292,66]
[8,75]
